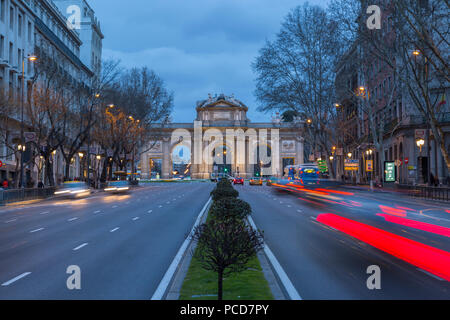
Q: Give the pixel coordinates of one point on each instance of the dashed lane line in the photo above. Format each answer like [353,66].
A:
[23,275]
[80,246]
[36,230]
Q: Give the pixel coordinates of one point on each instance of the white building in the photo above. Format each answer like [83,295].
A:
[90,32]
[38,27]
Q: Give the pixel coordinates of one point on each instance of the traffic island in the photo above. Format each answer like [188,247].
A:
[225,263]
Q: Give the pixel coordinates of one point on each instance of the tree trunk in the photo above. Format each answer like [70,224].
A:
[49,171]
[219,285]
[67,170]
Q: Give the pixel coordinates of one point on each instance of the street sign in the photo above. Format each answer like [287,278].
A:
[369,165]
[339,151]
[30,136]
[389,171]
[398,163]
[311,157]
[406,160]
[419,134]
[1,164]
[351,164]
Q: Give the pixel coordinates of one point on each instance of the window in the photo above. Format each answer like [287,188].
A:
[2,47]
[19,22]
[11,52]
[11,18]
[30,30]
[2,10]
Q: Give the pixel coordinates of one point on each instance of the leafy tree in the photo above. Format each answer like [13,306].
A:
[226,247]
[233,208]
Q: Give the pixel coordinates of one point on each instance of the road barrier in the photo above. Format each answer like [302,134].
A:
[15,195]
[426,192]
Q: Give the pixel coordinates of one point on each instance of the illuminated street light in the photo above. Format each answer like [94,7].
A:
[349,154]
[416,52]
[420,144]
[99,157]
[331,158]
[309,121]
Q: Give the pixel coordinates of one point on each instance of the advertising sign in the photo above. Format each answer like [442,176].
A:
[322,164]
[351,165]
[369,165]
[389,171]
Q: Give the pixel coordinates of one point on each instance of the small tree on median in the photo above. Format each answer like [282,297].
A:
[226,247]
[233,208]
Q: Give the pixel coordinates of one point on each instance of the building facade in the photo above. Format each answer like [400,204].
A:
[38,28]
[222,139]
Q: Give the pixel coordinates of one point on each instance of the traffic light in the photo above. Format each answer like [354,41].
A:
[257,174]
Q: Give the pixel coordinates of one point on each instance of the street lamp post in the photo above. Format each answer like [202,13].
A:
[22,140]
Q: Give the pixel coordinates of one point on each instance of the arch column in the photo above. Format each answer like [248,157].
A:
[167,159]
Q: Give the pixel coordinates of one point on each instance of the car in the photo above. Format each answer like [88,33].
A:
[256,181]
[73,189]
[238,180]
[119,186]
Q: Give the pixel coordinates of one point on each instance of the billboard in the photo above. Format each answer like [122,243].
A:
[389,171]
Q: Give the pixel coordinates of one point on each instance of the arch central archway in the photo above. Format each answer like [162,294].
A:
[181,161]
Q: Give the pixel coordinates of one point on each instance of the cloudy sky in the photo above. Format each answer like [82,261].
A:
[196,46]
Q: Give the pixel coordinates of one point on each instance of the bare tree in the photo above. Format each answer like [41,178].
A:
[296,72]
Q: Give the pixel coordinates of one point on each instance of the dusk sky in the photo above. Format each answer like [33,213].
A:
[196,46]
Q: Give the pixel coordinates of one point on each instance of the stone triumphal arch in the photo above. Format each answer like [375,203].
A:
[222,139]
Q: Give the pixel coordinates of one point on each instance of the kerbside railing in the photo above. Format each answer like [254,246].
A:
[16,195]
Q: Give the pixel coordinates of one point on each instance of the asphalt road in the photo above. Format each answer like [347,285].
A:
[123,244]
[325,263]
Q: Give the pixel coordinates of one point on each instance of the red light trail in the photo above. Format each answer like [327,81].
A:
[428,258]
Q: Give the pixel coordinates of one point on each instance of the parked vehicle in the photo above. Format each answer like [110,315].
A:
[238,180]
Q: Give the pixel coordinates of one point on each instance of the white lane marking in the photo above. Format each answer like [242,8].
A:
[98,211]
[114,230]
[37,230]
[72,219]
[114,207]
[135,218]
[160,206]
[430,274]
[128,202]
[80,246]
[168,202]
[162,287]
[12,220]
[289,206]
[290,289]
[45,212]
[174,199]
[7,283]
[149,211]
[299,210]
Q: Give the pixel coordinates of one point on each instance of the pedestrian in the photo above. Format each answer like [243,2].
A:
[40,185]
[5,184]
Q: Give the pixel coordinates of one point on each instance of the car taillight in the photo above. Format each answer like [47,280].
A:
[301,172]
[318,172]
